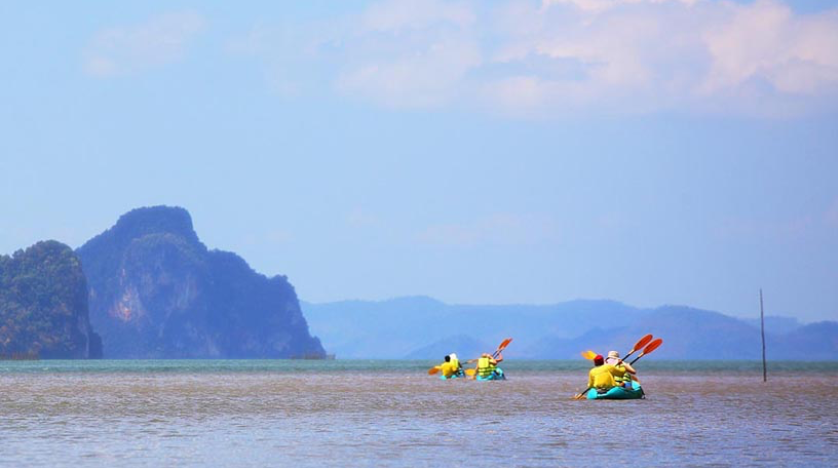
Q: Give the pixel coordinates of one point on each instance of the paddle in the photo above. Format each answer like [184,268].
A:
[433,370]
[648,349]
[503,344]
[640,344]
[501,347]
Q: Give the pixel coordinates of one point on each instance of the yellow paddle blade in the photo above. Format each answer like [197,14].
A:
[590,355]
[471,372]
[433,370]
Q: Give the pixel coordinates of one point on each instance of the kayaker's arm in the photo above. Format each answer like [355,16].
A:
[629,368]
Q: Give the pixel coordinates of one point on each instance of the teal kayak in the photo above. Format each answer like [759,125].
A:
[497,374]
[618,393]
[453,376]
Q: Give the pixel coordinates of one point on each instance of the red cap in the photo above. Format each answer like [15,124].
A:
[599,358]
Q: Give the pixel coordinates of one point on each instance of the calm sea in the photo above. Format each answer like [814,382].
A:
[391,413]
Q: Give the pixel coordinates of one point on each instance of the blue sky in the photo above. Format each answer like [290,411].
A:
[648,151]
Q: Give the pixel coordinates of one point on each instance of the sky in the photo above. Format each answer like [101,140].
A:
[485,152]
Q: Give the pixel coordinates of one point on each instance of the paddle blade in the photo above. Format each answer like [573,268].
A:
[643,342]
[503,345]
[653,346]
[589,355]
[433,371]
[471,372]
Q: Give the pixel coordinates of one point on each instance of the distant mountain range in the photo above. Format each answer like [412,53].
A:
[424,328]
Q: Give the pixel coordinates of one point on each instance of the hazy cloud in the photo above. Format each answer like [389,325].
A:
[130,49]
[566,57]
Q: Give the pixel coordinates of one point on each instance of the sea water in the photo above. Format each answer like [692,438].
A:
[392,414]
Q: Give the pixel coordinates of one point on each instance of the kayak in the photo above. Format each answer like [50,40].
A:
[618,393]
[452,376]
[497,374]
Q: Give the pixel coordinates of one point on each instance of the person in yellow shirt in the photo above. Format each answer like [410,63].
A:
[601,377]
[451,368]
[622,371]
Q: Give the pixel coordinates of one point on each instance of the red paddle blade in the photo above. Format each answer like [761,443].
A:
[433,370]
[504,344]
[653,346]
[643,341]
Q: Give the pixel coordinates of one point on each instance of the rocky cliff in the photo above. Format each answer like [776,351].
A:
[43,305]
[157,292]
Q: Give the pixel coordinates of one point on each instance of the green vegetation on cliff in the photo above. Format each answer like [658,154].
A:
[43,305]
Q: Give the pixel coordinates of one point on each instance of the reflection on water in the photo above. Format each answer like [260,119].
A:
[362,413]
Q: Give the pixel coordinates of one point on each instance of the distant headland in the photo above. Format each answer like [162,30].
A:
[150,289]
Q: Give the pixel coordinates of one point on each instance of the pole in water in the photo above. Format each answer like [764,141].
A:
[762,328]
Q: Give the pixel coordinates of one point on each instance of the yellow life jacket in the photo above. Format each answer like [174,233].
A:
[447,369]
[455,363]
[485,367]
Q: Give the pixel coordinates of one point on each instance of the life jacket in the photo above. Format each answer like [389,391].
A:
[455,363]
[485,367]
[620,374]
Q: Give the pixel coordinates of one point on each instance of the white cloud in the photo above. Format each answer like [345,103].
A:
[131,49]
[427,76]
[766,40]
[597,6]
[399,15]
[566,57]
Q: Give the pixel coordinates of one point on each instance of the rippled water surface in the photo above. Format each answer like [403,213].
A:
[384,413]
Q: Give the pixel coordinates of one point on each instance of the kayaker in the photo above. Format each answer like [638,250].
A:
[455,363]
[622,371]
[451,367]
[487,367]
[601,377]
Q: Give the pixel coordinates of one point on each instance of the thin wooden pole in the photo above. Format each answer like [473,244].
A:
[762,328]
